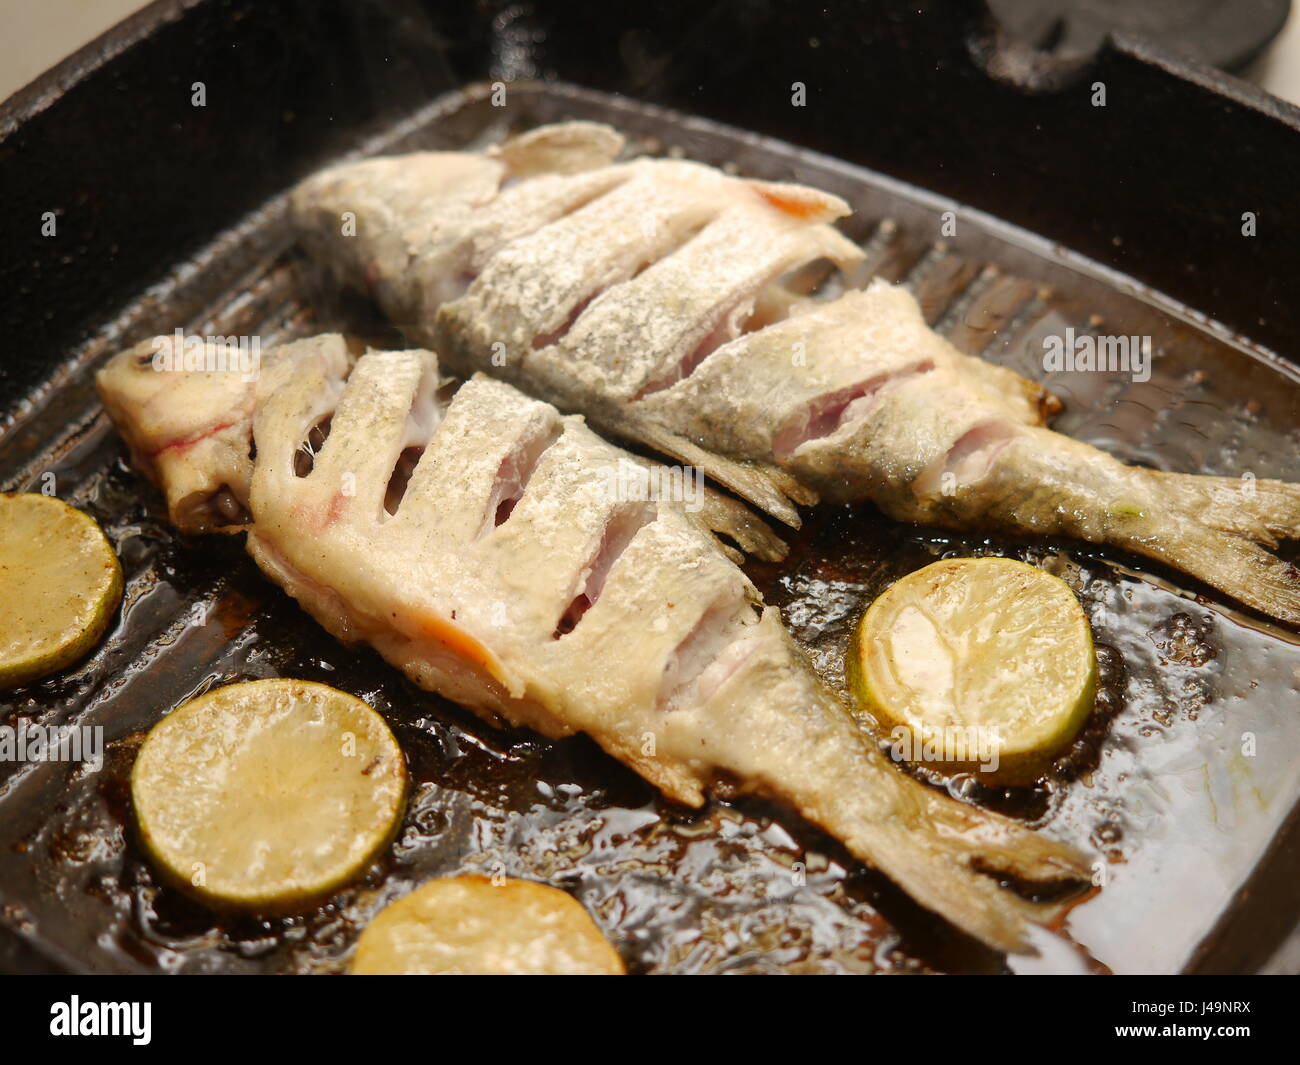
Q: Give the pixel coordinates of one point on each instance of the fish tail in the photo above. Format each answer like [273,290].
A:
[1217,529]
[787,736]
[1220,529]
[1261,510]
[987,874]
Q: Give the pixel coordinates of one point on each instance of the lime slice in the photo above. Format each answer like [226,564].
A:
[977,665]
[268,795]
[469,924]
[60,584]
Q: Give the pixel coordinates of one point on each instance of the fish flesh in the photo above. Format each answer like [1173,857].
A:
[510,569]
[655,297]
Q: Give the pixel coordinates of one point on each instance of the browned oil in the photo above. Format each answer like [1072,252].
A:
[739,886]
[735,887]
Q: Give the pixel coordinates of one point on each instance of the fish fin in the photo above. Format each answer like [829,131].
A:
[1216,529]
[721,515]
[954,858]
[1031,403]
[561,148]
[1234,565]
[769,488]
[676,782]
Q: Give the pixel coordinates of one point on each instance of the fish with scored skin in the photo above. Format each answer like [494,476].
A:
[510,574]
[648,295]
[190,433]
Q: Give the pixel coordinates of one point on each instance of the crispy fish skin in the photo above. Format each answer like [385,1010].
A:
[673,666]
[930,444]
[647,296]
[190,432]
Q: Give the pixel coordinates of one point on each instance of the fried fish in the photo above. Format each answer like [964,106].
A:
[648,295]
[507,565]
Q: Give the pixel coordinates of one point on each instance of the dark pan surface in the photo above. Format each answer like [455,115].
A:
[1159,786]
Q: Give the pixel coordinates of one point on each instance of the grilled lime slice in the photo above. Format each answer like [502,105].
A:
[59,582]
[469,924]
[268,795]
[987,664]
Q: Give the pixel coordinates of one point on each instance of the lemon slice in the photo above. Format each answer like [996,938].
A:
[59,582]
[268,795]
[987,664]
[469,924]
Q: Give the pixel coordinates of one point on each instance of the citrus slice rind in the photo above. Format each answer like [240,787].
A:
[60,583]
[268,795]
[473,925]
[977,665]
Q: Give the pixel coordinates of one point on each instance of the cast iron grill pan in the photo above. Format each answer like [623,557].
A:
[1157,786]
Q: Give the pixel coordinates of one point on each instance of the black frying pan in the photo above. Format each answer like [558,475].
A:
[167,215]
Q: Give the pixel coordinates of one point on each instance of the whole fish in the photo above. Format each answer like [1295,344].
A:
[648,295]
[513,565]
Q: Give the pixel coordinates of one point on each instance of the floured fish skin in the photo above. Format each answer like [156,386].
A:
[889,412]
[412,272]
[507,576]
[190,430]
[650,296]
[191,433]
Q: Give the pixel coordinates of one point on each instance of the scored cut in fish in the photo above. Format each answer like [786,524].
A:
[511,573]
[649,296]
[190,432]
